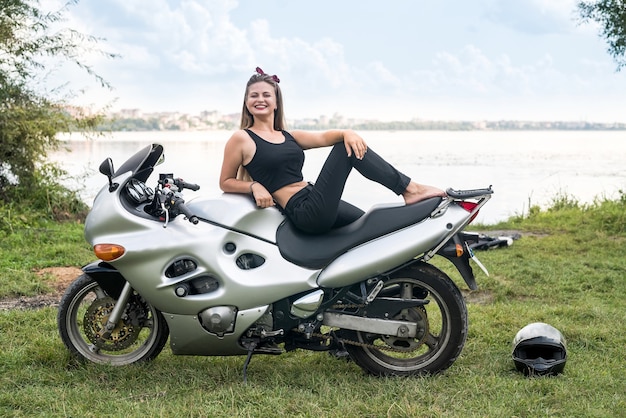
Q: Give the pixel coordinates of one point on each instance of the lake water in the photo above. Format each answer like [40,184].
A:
[524,167]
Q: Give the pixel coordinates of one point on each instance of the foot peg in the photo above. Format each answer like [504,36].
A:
[268,348]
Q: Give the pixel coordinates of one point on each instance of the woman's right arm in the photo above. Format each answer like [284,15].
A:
[234,153]
[237,151]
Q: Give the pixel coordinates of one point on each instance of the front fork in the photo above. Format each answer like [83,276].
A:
[117,312]
[114,284]
[459,253]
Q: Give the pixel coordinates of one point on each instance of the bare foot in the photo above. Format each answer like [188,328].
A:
[417,192]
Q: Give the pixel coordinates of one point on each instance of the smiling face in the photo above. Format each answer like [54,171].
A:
[261,99]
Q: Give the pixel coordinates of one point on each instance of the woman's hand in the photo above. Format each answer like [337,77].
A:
[354,143]
[261,196]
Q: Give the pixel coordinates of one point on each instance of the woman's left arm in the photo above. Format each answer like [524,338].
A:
[352,141]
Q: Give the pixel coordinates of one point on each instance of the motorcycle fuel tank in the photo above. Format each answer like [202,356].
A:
[238,212]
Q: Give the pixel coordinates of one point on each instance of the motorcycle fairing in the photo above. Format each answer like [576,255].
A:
[317,251]
[187,337]
[149,255]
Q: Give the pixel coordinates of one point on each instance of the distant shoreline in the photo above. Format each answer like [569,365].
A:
[155,125]
[132,120]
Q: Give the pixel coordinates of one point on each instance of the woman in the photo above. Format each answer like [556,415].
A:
[274,158]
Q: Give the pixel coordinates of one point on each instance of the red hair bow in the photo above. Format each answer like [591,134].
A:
[274,77]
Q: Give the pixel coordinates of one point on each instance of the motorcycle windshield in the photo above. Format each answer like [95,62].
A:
[142,162]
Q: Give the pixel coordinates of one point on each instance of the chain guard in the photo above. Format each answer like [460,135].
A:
[392,343]
[122,336]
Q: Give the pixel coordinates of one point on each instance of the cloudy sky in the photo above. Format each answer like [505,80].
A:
[392,60]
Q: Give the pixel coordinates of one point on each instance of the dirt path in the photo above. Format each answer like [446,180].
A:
[62,277]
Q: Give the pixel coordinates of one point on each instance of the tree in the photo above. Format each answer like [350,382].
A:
[29,118]
[611,16]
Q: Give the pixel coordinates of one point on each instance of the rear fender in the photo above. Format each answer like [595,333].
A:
[458,252]
[107,276]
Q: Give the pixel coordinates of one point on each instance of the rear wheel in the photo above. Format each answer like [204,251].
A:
[441,324]
[140,335]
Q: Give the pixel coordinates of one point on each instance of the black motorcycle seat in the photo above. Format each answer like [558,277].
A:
[317,251]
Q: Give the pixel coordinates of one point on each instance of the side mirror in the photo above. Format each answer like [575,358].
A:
[106,168]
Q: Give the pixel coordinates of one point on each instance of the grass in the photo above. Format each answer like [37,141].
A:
[568,270]
[28,249]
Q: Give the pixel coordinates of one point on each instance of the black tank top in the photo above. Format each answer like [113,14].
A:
[276,165]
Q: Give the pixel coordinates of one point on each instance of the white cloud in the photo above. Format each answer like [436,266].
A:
[191,54]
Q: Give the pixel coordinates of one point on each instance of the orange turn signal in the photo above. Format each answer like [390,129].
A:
[108,252]
[459,250]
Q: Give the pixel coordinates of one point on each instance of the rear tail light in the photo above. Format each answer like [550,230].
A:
[469,206]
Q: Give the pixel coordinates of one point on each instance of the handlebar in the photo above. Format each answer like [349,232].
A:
[183,185]
[179,205]
[178,182]
[168,201]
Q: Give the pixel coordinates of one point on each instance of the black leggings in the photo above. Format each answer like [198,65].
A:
[318,207]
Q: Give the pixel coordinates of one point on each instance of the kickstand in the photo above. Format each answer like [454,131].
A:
[251,346]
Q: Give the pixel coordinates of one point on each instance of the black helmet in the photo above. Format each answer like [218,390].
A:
[539,349]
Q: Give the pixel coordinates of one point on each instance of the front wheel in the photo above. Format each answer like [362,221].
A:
[441,324]
[140,335]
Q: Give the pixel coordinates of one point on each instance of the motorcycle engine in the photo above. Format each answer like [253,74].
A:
[219,320]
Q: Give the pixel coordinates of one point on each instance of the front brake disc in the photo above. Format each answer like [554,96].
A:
[122,336]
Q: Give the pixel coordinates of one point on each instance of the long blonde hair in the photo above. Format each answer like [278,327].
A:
[247,119]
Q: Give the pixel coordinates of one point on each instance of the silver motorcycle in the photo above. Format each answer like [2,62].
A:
[220,277]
